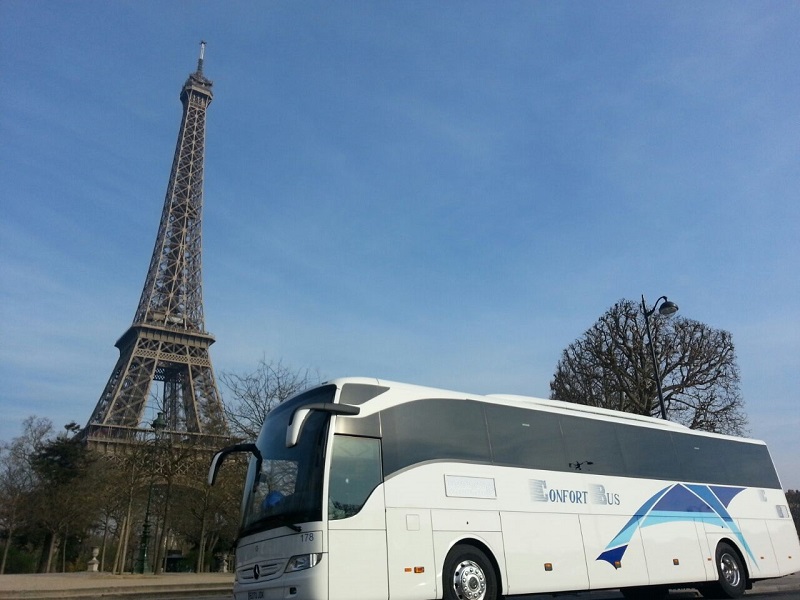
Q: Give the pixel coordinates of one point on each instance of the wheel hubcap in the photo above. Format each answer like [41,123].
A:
[469,581]
[730,570]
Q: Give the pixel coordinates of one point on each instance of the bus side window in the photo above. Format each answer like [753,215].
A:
[355,472]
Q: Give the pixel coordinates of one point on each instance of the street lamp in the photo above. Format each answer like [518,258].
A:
[666,309]
[158,425]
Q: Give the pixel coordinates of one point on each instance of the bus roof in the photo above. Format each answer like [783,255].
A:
[572,407]
[531,402]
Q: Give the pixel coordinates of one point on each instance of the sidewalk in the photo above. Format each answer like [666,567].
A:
[89,586]
[79,586]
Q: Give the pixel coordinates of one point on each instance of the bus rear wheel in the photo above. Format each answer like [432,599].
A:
[468,575]
[731,573]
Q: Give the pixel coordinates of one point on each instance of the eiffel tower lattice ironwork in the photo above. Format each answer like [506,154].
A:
[167,341]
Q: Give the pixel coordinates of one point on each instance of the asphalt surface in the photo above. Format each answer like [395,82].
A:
[91,586]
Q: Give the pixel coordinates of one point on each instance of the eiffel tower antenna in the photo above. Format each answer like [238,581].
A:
[202,55]
[167,341]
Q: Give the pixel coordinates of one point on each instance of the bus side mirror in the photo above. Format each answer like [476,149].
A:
[300,415]
[216,462]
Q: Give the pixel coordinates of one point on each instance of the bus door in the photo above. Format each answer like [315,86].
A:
[357,564]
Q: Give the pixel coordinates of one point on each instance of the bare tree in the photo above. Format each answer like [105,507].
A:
[110,502]
[207,516]
[257,393]
[127,475]
[610,366]
[18,478]
[176,460]
[62,503]
[793,498]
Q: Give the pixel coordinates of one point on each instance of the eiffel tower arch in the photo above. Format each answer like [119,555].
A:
[165,351]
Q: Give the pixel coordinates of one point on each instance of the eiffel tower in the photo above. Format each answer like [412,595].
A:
[167,341]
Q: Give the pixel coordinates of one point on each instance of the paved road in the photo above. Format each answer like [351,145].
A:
[762,591]
[216,586]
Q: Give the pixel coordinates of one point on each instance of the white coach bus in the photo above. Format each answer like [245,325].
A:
[368,489]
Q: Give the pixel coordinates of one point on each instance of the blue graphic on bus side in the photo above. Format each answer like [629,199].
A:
[679,502]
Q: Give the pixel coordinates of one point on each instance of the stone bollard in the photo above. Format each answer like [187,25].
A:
[92,564]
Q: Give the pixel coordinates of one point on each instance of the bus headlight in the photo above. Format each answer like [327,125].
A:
[301,562]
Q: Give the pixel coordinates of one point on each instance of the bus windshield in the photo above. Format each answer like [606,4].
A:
[288,489]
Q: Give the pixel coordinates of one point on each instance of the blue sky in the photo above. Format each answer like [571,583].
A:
[444,193]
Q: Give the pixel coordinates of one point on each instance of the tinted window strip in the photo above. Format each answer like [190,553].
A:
[445,429]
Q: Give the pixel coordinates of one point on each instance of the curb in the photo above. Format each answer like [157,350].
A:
[115,593]
[104,586]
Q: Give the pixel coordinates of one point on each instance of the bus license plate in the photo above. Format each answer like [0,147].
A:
[257,595]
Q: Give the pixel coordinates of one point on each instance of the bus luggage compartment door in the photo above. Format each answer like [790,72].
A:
[412,570]
[544,552]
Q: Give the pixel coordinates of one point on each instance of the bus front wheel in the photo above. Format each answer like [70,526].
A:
[732,577]
[468,575]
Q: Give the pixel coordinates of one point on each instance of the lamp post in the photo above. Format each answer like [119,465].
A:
[666,309]
[158,425]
